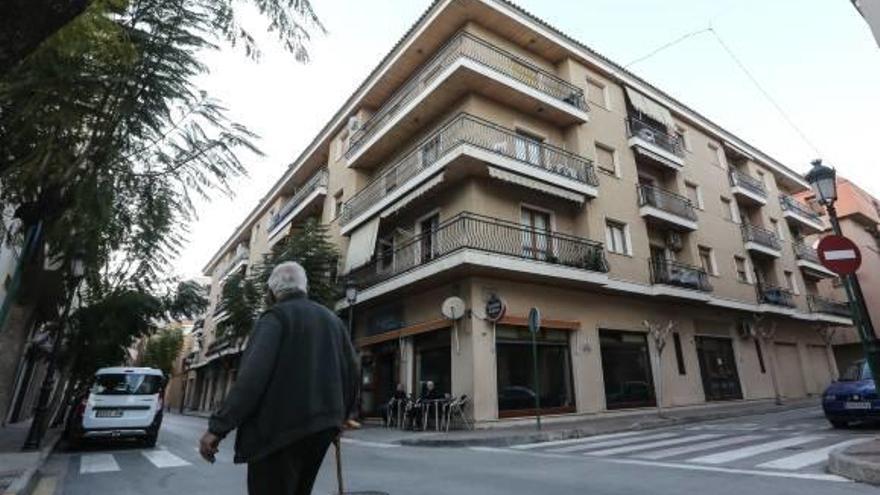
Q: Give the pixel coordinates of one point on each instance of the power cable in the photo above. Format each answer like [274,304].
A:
[667,45]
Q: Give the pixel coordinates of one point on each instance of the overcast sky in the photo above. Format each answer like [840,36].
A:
[816,58]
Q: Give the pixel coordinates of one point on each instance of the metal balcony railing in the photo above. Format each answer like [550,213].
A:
[768,294]
[760,235]
[313,183]
[790,204]
[467,46]
[667,201]
[747,182]
[654,134]
[820,304]
[240,255]
[669,272]
[490,235]
[806,253]
[467,129]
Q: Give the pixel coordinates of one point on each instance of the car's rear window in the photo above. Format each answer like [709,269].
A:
[126,384]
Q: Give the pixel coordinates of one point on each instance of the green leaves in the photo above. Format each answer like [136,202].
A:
[162,349]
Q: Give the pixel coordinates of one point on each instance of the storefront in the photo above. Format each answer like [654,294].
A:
[626,369]
[718,368]
[433,362]
[379,371]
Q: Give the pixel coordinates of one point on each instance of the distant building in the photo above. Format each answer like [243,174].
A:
[870,10]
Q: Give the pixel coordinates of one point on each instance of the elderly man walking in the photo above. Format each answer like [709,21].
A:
[296,387]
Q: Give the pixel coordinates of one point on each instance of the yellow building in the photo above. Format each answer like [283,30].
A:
[489,154]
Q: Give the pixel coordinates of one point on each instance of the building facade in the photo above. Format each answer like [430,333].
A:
[490,155]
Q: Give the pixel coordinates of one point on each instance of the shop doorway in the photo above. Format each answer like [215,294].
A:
[380,371]
[433,362]
[626,369]
[718,368]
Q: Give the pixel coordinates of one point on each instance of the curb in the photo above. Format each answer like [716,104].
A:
[848,464]
[24,484]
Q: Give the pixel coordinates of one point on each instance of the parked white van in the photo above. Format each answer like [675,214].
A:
[122,403]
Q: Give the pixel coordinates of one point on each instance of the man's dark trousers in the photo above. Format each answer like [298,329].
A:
[291,470]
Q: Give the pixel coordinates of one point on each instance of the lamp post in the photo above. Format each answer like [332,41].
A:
[823,180]
[351,293]
[40,421]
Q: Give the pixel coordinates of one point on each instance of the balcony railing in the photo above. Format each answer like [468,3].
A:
[467,129]
[747,182]
[806,253]
[819,304]
[669,272]
[790,204]
[768,294]
[314,182]
[656,135]
[240,255]
[467,46]
[490,235]
[666,201]
[760,235]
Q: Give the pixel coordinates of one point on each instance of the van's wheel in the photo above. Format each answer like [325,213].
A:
[839,424]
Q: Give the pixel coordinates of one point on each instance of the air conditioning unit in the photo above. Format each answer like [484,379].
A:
[354,123]
[745,329]
[673,241]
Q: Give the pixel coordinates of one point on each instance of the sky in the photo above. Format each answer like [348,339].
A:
[816,59]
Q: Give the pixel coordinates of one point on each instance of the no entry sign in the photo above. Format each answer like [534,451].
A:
[839,254]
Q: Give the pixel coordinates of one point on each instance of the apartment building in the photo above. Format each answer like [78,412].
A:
[490,155]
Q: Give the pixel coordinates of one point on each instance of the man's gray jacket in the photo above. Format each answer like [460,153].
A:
[298,376]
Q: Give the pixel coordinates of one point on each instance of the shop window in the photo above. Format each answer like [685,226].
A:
[626,369]
[679,355]
[433,362]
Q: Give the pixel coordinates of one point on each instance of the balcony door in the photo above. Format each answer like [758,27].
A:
[528,147]
[536,238]
[427,231]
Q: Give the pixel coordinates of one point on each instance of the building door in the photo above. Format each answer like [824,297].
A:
[626,369]
[819,367]
[428,243]
[536,241]
[791,378]
[433,354]
[380,377]
[718,368]
[528,147]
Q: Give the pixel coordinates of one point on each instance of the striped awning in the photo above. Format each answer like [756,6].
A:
[520,180]
[412,195]
[650,108]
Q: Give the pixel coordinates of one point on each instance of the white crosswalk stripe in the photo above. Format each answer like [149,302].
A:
[570,441]
[698,447]
[612,443]
[650,445]
[808,458]
[164,459]
[753,450]
[97,463]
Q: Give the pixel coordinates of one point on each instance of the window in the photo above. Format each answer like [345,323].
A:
[762,178]
[742,272]
[516,383]
[707,260]
[777,228]
[337,204]
[715,155]
[596,93]
[386,253]
[681,134]
[341,145]
[605,159]
[693,193]
[790,282]
[679,355]
[760,356]
[616,237]
[729,209]
[528,147]
[536,242]
[427,228]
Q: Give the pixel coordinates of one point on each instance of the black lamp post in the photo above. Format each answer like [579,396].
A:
[823,180]
[351,293]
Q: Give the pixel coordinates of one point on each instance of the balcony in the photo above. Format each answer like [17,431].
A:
[746,188]
[777,296]
[761,241]
[666,208]
[808,260]
[655,143]
[538,165]
[305,199]
[669,272]
[498,245]
[239,260]
[819,304]
[801,215]
[467,63]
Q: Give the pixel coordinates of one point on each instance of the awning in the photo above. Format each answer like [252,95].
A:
[412,195]
[650,108]
[362,244]
[738,151]
[537,185]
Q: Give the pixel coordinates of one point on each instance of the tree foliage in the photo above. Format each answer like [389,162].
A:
[162,349]
[244,297]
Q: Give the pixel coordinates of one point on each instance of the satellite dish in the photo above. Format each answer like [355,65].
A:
[453,308]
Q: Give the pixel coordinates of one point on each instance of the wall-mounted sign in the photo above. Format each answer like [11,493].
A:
[495,309]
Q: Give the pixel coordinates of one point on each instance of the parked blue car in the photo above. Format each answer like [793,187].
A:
[852,398]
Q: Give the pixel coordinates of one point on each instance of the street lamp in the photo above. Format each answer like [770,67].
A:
[351,293]
[823,180]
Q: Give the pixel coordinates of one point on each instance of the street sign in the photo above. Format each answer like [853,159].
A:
[839,254]
[495,309]
[534,320]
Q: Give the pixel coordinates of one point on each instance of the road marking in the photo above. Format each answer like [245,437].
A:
[650,445]
[97,463]
[499,450]
[717,469]
[753,450]
[570,441]
[688,449]
[363,443]
[809,457]
[164,459]
[613,443]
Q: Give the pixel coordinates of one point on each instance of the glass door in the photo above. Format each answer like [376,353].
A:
[536,239]
[718,368]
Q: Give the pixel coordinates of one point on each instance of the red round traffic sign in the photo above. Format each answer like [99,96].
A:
[839,254]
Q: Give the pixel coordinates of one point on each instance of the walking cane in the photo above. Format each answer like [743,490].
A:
[338,445]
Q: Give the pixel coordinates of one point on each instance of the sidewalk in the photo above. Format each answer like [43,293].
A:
[17,468]
[561,428]
[857,462]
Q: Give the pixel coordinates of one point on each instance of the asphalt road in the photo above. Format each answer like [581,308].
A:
[772,454]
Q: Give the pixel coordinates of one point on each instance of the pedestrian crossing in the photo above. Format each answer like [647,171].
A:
[159,458]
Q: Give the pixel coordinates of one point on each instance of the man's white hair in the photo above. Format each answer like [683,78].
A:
[287,278]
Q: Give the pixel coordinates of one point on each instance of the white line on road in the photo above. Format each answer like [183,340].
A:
[809,457]
[613,443]
[570,441]
[753,450]
[362,443]
[691,467]
[97,463]
[651,445]
[164,459]
[697,447]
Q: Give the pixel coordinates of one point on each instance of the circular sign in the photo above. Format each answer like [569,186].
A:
[839,254]
[534,320]
[495,309]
